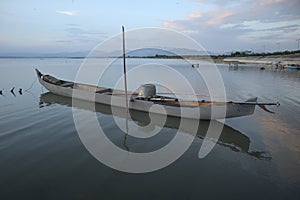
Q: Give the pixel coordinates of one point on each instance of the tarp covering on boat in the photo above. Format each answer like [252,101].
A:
[53,80]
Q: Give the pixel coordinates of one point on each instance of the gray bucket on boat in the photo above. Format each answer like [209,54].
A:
[147,90]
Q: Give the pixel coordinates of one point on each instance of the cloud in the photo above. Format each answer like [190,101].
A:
[194,15]
[219,18]
[176,25]
[241,24]
[272,31]
[67,12]
[76,35]
[75,31]
[267,2]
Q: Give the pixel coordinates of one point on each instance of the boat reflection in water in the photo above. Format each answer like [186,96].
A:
[229,137]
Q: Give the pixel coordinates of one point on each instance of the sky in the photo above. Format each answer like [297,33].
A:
[52,26]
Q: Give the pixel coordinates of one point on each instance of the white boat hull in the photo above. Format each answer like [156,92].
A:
[205,112]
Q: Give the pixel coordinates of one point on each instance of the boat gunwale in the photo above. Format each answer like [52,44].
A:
[209,110]
[161,100]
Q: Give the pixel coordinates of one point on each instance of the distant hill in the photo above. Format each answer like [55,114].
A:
[44,55]
[145,52]
[151,52]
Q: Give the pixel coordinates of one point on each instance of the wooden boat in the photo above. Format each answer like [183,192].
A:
[146,98]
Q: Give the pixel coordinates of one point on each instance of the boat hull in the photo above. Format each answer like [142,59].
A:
[205,112]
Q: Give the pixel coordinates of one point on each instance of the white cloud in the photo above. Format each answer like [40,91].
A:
[230,25]
[267,2]
[219,18]
[241,24]
[67,12]
[194,15]
[257,25]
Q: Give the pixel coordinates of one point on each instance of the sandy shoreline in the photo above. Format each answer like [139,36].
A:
[276,60]
[268,60]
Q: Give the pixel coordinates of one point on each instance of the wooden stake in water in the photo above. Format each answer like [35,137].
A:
[124,65]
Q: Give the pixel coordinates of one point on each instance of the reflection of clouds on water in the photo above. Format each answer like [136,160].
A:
[282,140]
[279,132]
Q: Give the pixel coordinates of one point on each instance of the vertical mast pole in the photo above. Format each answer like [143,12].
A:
[124,65]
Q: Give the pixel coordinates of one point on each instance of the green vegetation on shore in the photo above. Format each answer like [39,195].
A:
[247,53]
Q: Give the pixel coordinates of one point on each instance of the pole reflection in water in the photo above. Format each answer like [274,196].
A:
[230,138]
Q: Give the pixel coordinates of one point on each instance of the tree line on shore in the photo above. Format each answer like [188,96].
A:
[249,53]
[233,54]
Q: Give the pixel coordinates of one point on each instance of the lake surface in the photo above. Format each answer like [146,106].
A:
[42,156]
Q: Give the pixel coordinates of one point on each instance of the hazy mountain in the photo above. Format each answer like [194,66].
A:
[172,52]
[145,52]
[45,55]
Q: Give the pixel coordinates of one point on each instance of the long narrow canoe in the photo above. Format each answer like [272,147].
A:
[164,105]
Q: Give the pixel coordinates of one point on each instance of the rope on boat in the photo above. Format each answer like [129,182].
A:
[31,84]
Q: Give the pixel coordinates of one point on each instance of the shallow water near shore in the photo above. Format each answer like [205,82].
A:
[42,156]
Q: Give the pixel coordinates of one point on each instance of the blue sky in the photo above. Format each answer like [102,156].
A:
[46,26]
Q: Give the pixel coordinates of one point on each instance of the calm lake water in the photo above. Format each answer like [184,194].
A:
[42,156]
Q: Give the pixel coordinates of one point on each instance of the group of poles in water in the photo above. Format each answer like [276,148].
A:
[13,92]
